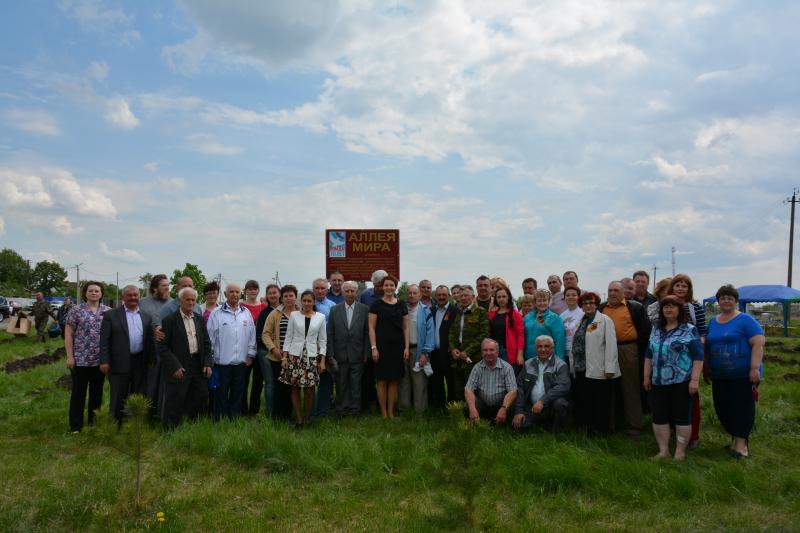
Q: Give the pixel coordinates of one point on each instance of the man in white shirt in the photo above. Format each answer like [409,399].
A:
[233,340]
[543,389]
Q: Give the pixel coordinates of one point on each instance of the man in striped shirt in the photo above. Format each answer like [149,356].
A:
[491,389]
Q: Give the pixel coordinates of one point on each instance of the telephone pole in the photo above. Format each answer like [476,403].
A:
[673,261]
[793,200]
[655,270]
[78,283]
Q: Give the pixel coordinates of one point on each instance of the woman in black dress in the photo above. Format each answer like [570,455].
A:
[388,334]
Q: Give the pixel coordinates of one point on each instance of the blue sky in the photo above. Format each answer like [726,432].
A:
[513,139]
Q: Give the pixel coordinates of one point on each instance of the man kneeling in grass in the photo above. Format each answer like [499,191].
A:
[543,389]
[491,388]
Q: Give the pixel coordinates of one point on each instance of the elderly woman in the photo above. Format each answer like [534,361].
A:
[303,356]
[273,297]
[594,364]
[507,328]
[82,344]
[736,348]
[389,337]
[544,322]
[672,367]
[681,287]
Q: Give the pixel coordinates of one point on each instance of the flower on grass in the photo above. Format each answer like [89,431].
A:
[160,516]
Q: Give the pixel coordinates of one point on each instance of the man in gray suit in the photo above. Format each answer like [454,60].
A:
[127,348]
[348,344]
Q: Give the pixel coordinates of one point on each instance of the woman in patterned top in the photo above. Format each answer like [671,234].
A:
[82,344]
[672,367]
[681,286]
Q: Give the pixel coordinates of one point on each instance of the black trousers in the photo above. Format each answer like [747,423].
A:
[440,363]
[125,384]
[83,378]
[581,400]
[489,412]
[185,398]
[256,389]
[553,416]
[458,379]
[599,408]
[735,405]
[282,401]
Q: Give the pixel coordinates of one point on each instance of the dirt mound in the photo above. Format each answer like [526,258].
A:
[44,358]
[791,377]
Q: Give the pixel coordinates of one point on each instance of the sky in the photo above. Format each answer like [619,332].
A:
[504,138]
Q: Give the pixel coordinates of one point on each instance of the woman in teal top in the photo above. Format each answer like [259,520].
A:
[543,321]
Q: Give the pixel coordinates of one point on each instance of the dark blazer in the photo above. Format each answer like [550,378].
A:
[348,345]
[115,343]
[444,326]
[174,349]
[640,322]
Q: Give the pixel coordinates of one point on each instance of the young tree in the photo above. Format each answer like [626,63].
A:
[145,279]
[192,271]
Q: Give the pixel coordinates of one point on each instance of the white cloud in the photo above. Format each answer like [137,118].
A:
[123,254]
[36,121]
[22,189]
[775,134]
[208,144]
[151,167]
[98,70]
[119,115]
[677,173]
[81,199]
[113,24]
[2,226]
[62,225]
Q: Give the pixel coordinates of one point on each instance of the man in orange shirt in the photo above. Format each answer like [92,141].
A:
[633,334]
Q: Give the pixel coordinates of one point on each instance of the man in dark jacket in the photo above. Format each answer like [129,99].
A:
[186,361]
[127,348]
[444,314]
[543,389]
[633,333]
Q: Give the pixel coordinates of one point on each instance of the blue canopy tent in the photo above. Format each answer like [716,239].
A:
[782,294]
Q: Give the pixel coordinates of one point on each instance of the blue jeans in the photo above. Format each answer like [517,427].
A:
[269,381]
[228,396]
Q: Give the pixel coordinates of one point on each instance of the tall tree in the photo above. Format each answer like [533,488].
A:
[145,279]
[15,273]
[48,277]
[192,271]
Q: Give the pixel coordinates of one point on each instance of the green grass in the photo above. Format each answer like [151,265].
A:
[428,474]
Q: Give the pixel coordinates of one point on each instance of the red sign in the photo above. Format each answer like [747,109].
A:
[357,253]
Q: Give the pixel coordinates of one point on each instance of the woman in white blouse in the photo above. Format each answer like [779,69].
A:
[303,355]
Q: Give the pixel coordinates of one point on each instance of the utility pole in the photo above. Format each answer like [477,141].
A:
[117,304]
[277,279]
[673,261]
[655,270]
[793,201]
[78,284]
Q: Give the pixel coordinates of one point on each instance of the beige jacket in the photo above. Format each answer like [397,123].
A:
[601,348]
[271,335]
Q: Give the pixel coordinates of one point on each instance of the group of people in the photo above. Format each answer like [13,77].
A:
[554,355]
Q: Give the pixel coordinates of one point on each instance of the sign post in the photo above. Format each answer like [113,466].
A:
[357,253]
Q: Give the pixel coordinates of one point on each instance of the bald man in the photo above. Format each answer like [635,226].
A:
[233,341]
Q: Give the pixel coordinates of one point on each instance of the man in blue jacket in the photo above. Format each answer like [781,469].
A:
[420,333]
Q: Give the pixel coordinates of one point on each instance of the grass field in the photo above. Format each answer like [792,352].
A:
[428,474]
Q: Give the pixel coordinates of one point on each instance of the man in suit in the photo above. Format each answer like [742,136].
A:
[127,349]
[186,361]
[348,344]
[443,314]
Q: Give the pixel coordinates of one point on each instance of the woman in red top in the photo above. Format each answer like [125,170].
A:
[506,327]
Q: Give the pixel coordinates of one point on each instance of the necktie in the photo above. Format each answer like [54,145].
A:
[349,315]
